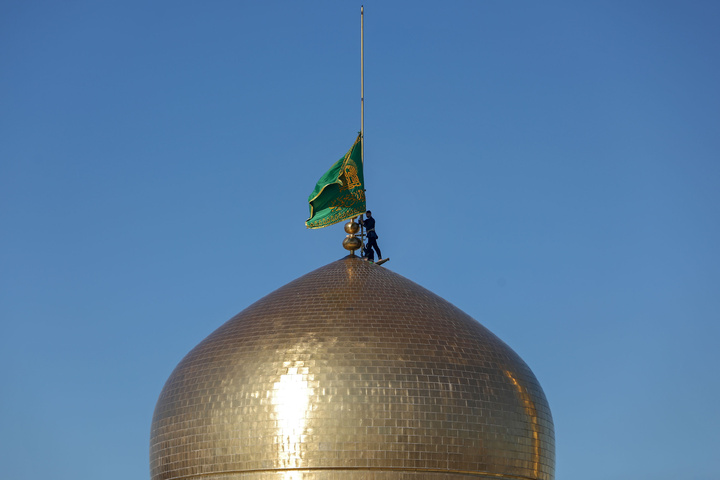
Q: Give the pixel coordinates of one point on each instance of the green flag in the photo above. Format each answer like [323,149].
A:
[340,193]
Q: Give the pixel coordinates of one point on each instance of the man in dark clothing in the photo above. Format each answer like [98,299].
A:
[369,224]
[368,253]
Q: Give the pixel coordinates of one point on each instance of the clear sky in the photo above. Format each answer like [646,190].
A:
[551,168]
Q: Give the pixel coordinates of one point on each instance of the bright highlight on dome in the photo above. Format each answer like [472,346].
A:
[311,383]
[291,397]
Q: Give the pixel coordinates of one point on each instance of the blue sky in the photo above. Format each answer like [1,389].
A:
[550,168]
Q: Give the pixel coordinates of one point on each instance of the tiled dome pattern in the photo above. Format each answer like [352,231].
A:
[352,372]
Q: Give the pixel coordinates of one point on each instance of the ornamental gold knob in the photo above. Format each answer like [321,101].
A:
[351,242]
[352,227]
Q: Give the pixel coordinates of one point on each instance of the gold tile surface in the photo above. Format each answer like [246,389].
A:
[355,372]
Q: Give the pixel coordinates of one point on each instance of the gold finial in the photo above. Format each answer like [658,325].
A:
[351,242]
[352,227]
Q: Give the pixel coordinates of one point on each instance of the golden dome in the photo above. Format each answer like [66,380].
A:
[352,372]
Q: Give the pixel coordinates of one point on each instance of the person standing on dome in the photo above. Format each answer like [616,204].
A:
[369,224]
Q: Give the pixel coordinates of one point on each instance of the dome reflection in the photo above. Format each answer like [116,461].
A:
[291,399]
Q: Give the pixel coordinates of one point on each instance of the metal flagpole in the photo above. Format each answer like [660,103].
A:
[362,86]
[362,113]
